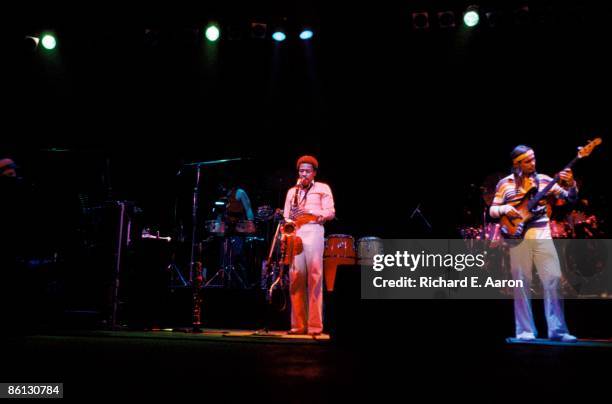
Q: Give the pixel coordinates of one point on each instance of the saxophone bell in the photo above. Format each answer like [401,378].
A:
[289,227]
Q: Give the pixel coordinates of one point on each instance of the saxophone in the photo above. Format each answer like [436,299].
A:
[291,244]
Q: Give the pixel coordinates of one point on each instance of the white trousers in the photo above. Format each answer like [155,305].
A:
[306,281]
[537,248]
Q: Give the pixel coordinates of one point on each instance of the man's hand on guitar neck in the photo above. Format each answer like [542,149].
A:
[566,178]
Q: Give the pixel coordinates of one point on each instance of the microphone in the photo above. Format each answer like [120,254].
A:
[295,195]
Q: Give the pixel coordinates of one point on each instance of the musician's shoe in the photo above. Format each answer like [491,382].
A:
[295,331]
[564,338]
[314,334]
[526,336]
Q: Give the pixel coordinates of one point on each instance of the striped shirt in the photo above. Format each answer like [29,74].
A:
[507,192]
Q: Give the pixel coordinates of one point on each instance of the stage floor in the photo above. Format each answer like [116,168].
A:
[210,334]
[581,343]
[232,365]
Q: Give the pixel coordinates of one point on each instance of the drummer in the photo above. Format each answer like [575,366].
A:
[237,205]
[233,208]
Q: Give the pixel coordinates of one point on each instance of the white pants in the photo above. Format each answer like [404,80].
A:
[306,281]
[537,248]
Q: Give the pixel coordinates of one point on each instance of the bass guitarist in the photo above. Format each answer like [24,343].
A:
[537,247]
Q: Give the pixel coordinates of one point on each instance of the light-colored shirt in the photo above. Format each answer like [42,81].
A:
[318,201]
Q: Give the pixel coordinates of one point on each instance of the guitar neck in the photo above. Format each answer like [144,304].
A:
[542,194]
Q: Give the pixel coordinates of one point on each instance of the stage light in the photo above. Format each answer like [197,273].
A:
[471,16]
[306,34]
[48,42]
[279,36]
[446,19]
[420,20]
[212,33]
[258,30]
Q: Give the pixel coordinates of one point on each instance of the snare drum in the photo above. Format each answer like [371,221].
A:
[245,227]
[215,227]
[367,248]
[339,250]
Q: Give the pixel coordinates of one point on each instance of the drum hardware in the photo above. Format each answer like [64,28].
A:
[215,227]
[234,236]
[230,268]
[245,227]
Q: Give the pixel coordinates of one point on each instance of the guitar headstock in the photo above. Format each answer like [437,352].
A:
[586,150]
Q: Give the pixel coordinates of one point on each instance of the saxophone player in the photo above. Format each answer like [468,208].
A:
[310,204]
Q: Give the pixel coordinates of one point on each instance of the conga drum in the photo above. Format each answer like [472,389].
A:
[339,250]
[367,248]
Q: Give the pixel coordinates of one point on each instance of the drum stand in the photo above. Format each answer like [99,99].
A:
[228,271]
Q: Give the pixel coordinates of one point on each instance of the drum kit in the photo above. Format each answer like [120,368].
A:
[238,247]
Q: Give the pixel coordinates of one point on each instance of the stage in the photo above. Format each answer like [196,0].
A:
[157,165]
[175,365]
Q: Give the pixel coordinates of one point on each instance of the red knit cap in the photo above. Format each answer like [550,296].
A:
[307,160]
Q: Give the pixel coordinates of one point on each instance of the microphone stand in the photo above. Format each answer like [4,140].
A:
[195,268]
[418,212]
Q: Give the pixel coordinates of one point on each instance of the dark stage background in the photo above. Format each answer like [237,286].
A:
[396,116]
